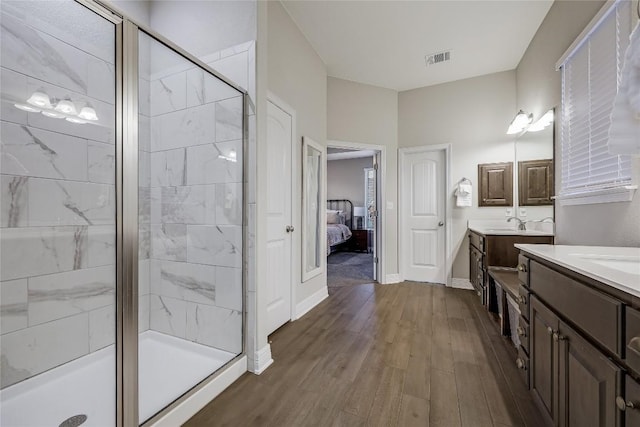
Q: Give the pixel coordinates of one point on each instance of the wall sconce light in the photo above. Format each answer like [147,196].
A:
[232,157]
[542,122]
[67,107]
[25,107]
[519,123]
[88,113]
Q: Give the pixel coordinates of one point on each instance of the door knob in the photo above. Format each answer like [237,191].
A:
[440,224]
[289,228]
[623,405]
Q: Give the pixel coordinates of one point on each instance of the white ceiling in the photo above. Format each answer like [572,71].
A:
[384,43]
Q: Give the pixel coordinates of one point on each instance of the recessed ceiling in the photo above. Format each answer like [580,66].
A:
[384,43]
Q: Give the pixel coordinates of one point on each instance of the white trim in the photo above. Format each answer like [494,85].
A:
[296,242]
[461,283]
[262,359]
[448,207]
[310,302]
[584,35]
[382,176]
[605,195]
[187,409]
[392,278]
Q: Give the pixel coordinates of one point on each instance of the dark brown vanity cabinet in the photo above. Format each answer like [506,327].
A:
[496,184]
[580,374]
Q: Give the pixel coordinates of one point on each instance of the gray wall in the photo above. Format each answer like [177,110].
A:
[297,75]
[345,179]
[472,115]
[538,89]
[369,115]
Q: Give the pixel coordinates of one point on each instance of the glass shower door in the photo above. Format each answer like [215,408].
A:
[57,215]
[190,126]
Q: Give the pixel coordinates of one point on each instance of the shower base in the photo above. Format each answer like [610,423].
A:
[168,367]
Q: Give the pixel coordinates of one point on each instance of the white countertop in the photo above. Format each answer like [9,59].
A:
[504,228]
[613,266]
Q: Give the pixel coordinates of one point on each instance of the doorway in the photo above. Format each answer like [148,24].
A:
[353,214]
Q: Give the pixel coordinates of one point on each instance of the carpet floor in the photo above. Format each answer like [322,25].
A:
[349,268]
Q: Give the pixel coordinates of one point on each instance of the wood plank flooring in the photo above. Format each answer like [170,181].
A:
[395,355]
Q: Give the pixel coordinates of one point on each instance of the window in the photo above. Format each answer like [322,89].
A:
[590,77]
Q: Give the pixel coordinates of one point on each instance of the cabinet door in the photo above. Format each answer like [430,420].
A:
[631,403]
[496,184]
[589,383]
[544,359]
[535,182]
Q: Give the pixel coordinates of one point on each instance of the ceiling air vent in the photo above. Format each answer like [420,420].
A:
[437,58]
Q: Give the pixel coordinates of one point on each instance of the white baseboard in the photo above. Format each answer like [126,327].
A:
[187,409]
[304,306]
[392,278]
[461,283]
[262,360]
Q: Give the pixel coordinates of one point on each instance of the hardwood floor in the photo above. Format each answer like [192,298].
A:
[395,355]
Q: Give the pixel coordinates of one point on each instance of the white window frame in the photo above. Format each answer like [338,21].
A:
[618,191]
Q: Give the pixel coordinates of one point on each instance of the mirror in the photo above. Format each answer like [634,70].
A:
[535,169]
[313,161]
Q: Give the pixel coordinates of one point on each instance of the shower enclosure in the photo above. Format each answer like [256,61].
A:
[121,214]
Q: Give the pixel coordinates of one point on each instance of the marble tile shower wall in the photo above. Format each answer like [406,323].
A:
[57,199]
[195,217]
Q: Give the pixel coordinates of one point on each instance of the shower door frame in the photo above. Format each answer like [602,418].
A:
[126,141]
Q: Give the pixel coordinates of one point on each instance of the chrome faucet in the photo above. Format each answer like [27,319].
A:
[521,223]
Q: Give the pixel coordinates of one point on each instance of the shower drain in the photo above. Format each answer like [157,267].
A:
[74,421]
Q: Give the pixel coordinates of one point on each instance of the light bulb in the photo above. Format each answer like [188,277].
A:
[52,114]
[26,107]
[66,106]
[40,99]
[75,120]
[88,113]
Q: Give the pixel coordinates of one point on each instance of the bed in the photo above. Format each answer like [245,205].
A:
[339,224]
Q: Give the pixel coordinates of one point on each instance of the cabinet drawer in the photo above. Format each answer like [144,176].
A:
[522,363]
[631,397]
[632,339]
[523,301]
[597,314]
[477,241]
[523,333]
[523,269]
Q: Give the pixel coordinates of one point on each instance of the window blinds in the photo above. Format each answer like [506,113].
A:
[590,77]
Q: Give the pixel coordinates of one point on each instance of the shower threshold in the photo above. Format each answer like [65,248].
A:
[168,367]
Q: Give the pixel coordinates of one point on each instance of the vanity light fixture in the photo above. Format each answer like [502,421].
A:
[519,123]
[88,113]
[542,122]
[67,107]
[25,107]
[39,99]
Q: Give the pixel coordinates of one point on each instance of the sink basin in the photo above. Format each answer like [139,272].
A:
[500,229]
[627,264]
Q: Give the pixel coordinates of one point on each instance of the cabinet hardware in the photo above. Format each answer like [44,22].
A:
[289,228]
[557,337]
[634,345]
[440,224]
[522,299]
[550,330]
[520,331]
[520,364]
[522,267]
[623,404]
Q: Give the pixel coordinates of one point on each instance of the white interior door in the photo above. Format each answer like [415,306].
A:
[279,231]
[423,216]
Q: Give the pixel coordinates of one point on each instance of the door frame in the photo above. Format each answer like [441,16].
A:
[296,195]
[448,205]
[381,223]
